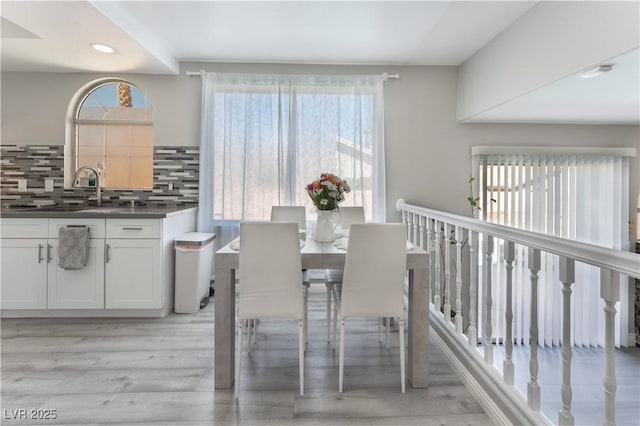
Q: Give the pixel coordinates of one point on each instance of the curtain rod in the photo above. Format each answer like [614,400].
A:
[385,76]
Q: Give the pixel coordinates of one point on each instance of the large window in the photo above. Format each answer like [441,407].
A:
[114,134]
[266,137]
[575,193]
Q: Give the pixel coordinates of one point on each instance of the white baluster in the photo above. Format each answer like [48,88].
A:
[429,226]
[488,329]
[447,271]
[422,220]
[427,248]
[473,288]
[610,292]
[404,221]
[416,220]
[438,280]
[507,365]
[409,226]
[567,276]
[533,389]
[459,236]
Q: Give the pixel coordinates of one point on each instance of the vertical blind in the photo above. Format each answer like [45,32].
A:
[265,137]
[580,194]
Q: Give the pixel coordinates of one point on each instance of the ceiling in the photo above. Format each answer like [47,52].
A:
[154,36]
[611,98]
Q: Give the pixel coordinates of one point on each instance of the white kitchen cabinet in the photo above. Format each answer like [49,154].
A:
[133,273]
[133,276]
[24,273]
[129,272]
[77,288]
[31,277]
[24,228]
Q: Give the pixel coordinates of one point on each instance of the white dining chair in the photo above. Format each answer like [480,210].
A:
[349,215]
[294,214]
[270,276]
[290,214]
[333,277]
[373,282]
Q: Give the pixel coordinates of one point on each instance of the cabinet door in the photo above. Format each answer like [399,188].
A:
[132,276]
[24,273]
[78,288]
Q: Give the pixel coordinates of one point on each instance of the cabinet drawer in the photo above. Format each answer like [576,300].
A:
[134,228]
[24,228]
[96,226]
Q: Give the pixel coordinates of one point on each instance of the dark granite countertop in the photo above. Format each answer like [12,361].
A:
[75,211]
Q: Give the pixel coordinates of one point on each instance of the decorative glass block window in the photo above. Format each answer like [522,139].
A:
[114,133]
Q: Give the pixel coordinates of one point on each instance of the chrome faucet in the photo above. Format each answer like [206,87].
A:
[98,187]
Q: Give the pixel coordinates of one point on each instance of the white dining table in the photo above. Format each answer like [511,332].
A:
[317,255]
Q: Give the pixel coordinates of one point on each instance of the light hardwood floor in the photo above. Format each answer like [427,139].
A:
[587,375]
[160,371]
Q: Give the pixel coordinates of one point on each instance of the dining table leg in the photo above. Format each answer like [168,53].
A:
[418,339]
[225,303]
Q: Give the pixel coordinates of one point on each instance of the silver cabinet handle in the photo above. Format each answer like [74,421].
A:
[106,254]
[131,229]
[40,258]
[48,253]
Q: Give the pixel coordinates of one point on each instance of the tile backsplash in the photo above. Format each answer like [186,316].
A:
[177,165]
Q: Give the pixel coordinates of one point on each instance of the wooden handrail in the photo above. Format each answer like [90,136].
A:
[626,263]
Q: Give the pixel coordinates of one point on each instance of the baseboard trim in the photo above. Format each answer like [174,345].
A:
[503,404]
[84,313]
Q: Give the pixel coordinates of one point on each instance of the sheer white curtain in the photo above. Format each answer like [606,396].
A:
[264,137]
[570,193]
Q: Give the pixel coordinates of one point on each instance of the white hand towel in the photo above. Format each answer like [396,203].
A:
[73,247]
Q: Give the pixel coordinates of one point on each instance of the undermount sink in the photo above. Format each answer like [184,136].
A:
[104,210]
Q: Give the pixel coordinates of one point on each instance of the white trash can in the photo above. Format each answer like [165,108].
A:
[194,257]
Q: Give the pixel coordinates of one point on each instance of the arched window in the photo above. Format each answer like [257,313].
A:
[114,133]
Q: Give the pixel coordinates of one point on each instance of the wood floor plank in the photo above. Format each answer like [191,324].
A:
[101,381]
[377,402]
[587,375]
[167,359]
[48,361]
[146,371]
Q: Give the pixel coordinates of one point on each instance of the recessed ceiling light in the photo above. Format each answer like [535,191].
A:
[102,48]
[597,71]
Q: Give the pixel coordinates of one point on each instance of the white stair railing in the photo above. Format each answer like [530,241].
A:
[437,232]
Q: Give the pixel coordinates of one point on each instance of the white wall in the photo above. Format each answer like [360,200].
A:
[551,41]
[428,151]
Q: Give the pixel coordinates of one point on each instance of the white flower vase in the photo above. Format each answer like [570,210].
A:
[326,224]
